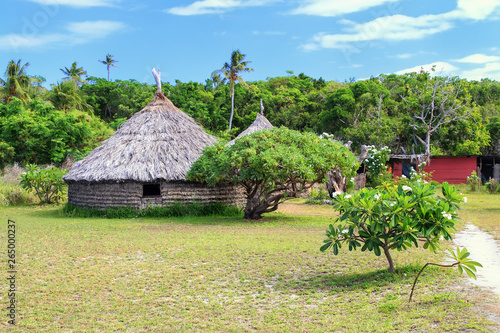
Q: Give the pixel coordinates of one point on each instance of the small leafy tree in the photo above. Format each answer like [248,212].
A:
[394,217]
[46,183]
[272,165]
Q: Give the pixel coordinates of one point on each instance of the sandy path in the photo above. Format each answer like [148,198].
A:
[485,250]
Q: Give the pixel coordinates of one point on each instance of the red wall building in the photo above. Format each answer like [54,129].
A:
[453,170]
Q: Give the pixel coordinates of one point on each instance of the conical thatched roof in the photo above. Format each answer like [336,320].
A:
[160,142]
[259,124]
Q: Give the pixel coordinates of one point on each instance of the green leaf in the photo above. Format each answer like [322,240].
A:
[335,249]
[326,247]
[469,272]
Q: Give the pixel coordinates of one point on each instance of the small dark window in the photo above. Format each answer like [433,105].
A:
[151,190]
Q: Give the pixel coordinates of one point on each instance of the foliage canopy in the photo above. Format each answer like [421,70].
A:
[272,165]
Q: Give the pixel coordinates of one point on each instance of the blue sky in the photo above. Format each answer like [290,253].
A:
[187,40]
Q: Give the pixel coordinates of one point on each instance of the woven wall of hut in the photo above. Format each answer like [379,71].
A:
[103,195]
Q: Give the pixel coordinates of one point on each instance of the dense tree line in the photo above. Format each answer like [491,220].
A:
[414,112]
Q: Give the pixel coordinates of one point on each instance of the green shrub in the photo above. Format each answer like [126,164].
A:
[14,195]
[47,184]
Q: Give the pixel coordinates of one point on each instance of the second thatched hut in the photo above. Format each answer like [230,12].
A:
[259,124]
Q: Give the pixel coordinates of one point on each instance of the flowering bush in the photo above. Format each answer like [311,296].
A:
[473,181]
[375,164]
[492,185]
[396,216]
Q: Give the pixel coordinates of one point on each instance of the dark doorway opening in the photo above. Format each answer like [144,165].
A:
[151,190]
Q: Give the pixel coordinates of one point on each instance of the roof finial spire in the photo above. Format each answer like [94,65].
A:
[261,107]
[157,75]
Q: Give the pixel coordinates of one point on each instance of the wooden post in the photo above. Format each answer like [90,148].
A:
[157,75]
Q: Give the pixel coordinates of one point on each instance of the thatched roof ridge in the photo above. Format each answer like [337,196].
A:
[160,142]
[259,124]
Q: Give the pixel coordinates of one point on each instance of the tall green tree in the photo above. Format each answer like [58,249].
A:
[109,62]
[273,166]
[74,73]
[17,82]
[231,71]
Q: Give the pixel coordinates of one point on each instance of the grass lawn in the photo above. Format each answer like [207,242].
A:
[228,275]
[484,211]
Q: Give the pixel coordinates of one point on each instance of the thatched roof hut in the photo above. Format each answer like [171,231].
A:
[145,162]
[160,142]
[259,124]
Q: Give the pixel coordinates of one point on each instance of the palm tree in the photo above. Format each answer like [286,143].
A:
[74,74]
[217,79]
[65,95]
[231,71]
[17,82]
[108,62]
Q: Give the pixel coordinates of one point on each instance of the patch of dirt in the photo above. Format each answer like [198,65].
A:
[301,209]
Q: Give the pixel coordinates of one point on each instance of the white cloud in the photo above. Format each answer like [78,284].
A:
[78,3]
[19,41]
[476,9]
[479,58]
[489,70]
[77,33]
[403,56]
[204,7]
[95,29]
[390,28]
[337,7]
[441,68]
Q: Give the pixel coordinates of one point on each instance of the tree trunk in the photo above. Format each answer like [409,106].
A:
[232,107]
[428,146]
[389,259]
[256,206]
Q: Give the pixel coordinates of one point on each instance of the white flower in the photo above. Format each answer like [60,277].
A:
[377,196]
[334,194]
[465,199]
[447,215]
[403,176]
[347,196]
[406,188]
[392,203]
[345,231]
